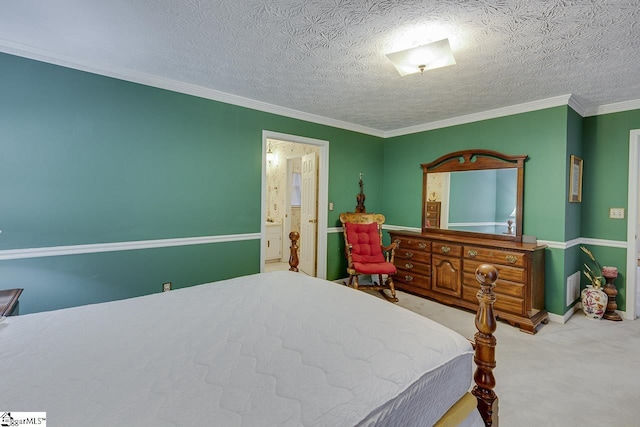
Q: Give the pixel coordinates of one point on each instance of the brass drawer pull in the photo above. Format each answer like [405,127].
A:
[397,242]
[511,259]
[472,253]
[408,265]
[422,245]
[408,278]
[408,254]
[445,249]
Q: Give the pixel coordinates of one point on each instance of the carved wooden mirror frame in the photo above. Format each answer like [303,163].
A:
[472,160]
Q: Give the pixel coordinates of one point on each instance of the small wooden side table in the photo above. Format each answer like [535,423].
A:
[610,274]
[9,302]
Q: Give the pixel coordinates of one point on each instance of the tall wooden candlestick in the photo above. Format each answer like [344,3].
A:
[610,274]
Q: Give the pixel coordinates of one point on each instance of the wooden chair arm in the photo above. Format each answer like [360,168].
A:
[390,251]
[392,247]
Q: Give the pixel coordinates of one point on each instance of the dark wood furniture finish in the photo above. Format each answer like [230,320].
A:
[442,267]
[432,214]
[484,343]
[9,301]
[472,160]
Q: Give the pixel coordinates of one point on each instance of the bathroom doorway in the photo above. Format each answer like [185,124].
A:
[294,198]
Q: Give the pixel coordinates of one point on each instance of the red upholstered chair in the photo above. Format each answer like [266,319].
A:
[365,253]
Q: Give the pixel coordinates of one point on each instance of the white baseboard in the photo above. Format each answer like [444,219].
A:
[556,318]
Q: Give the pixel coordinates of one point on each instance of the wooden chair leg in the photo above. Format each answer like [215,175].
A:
[392,288]
[354,278]
[349,282]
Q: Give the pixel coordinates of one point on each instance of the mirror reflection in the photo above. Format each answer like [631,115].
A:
[479,201]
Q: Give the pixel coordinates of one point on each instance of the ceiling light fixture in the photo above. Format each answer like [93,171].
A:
[426,57]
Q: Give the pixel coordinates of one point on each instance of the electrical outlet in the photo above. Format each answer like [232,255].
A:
[616,213]
[166,287]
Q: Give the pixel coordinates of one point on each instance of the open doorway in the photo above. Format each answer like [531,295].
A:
[294,198]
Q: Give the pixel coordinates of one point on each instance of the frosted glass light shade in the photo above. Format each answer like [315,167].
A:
[433,55]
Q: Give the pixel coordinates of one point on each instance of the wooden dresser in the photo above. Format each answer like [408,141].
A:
[441,267]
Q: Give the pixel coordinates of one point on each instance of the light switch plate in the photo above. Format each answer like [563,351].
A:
[616,213]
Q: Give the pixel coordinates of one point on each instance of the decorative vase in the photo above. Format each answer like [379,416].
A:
[594,302]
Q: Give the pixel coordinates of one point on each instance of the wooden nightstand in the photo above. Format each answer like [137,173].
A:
[9,302]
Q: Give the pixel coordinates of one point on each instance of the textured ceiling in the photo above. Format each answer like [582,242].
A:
[327,58]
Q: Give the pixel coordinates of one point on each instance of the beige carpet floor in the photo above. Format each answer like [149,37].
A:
[582,373]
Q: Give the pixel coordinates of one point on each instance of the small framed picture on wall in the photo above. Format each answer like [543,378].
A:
[575,179]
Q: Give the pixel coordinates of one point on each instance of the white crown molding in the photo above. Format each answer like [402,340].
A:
[121,246]
[202,92]
[614,108]
[484,115]
[180,87]
[577,106]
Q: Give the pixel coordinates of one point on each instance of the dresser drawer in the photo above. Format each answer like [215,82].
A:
[412,255]
[513,274]
[503,302]
[494,256]
[411,266]
[503,287]
[445,248]
[412,278]
[413,244]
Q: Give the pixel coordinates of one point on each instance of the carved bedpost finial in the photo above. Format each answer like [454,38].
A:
[360,198]
[294,236]
[485,355]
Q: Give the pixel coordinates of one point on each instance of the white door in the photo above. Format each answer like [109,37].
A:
[308,215]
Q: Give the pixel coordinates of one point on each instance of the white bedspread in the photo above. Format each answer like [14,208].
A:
[274,349]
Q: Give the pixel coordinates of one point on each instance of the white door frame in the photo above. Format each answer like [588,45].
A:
[286,223]
[632,224]
[309,214]
[323,197]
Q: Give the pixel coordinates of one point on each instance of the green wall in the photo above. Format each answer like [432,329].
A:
[542,135]
[605,185]
[549,137]
[90,159]
[606,170]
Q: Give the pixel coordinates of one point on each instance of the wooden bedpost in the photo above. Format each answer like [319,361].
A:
[293,258]
[485,346]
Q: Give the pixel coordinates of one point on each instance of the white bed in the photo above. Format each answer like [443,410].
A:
[272,349]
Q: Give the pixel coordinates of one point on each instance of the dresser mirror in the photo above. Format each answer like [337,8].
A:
[475,193]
